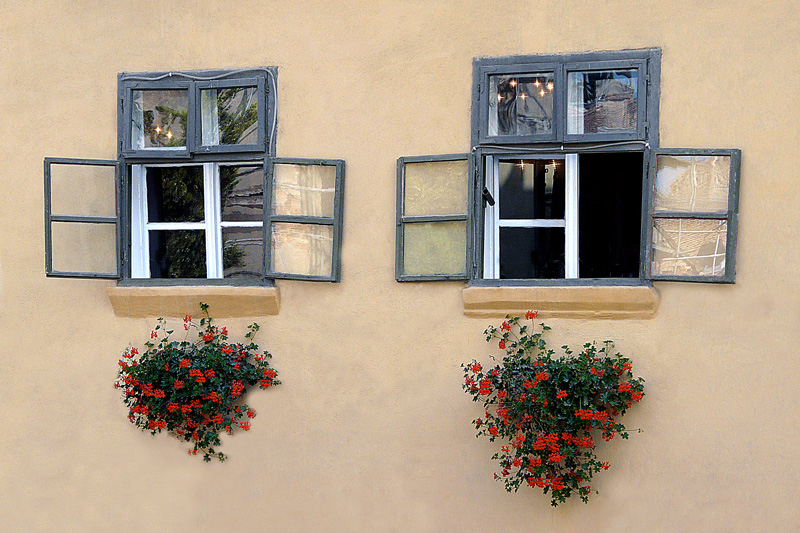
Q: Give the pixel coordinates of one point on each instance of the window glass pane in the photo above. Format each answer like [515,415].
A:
[177,254]
[689,247]
[87,190]
[229,116]
[521,104]
[692,183]
[242,252]
[84,247]
[531,253]
[432,248]
[301,249]
[436,188]
[304,190]
[158,119]
[602,101]
[531,189]
[175,194]
[242,193]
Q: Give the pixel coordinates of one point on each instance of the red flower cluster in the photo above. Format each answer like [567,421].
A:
[530,315]
[193,390]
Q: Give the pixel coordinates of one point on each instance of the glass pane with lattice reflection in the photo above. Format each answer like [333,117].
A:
[159,118]
[692,183]
[531,253]
[436,188]
[521,104]
[303,190]
[242,252]
[604,101]
[435,248]
[177,253]
[84,247]
[242,193]
[531,189]
[689,247]
[304,249]
[85,190]
[229,116]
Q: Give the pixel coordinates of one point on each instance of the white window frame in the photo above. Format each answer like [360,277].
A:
[493,222]
[212,222]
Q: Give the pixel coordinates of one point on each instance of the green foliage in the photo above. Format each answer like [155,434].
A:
[550,408]
[194,390]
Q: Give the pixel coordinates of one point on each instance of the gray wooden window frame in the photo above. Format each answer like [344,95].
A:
[402,219]
[731,216]
[336,220]
[49,217]
[265,78]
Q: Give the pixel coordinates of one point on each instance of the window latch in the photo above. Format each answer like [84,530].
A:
[487,197]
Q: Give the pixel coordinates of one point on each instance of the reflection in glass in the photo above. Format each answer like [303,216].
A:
[177,254]
[434,248]
[87,190]
[689,246]
[84,247]
[242,252]
[229,116]
[521,104]
[303,190]
[158,118]
[527,253]
[175,194]
[531,189]
[692,183]
[602,101]
[436,188]
[305,249]
[242,193]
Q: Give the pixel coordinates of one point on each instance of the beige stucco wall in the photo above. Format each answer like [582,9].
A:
[370,430]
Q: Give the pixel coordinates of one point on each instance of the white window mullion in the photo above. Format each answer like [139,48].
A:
[140,240]
[212,208]
[571,176]
[491,230]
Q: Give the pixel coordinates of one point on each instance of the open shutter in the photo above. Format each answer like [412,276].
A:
[692,215]
[82,218]
[434,206]
[303,218]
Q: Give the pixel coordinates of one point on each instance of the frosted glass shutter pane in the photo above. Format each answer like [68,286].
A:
[83,190]
[436,188]
[302,249]
[692,183]
[84,248]
[303,189]
[689,247]
[435,248]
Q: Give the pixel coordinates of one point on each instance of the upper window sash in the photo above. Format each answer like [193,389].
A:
[206,139]
[643,64]
[143,98]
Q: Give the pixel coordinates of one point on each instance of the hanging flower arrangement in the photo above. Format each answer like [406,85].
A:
[194,390]
[549,410]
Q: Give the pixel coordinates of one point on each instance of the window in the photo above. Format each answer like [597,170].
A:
[196,192]
[565,183]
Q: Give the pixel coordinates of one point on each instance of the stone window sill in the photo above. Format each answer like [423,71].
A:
[177,301]
[604,302]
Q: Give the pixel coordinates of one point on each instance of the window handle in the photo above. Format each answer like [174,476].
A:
[487,197]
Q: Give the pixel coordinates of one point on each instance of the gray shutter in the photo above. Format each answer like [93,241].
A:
[434,222]
[82,218]
[692,215]
[303,218]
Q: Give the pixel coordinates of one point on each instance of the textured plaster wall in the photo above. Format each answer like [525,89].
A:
[370,430]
